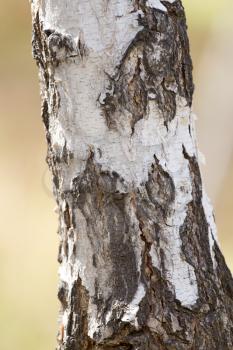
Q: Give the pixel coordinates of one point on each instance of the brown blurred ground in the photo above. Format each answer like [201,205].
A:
[28,245]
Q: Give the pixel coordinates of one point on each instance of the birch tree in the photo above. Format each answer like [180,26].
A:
[140,266]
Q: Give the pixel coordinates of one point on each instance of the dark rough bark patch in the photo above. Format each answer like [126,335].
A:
[108,206]
[224,273]
[42,56]
[160,188]
[63,295]
[162,67]
[78,320]
[213,309]
[62,47]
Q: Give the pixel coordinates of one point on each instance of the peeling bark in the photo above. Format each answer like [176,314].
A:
[140,267]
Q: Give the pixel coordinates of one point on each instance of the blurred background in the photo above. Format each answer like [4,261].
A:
[28,239]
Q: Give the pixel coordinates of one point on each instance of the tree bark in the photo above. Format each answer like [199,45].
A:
[140,267]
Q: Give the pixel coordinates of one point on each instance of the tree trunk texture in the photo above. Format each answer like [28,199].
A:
[140,267]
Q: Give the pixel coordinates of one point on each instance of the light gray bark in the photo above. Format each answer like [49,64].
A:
[140,266]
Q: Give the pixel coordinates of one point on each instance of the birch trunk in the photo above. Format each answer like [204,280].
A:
[140,267]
